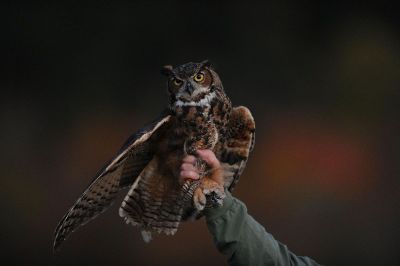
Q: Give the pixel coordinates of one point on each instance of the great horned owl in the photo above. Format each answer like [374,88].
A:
[199,116]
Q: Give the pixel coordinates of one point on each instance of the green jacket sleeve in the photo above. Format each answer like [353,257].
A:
[245,242]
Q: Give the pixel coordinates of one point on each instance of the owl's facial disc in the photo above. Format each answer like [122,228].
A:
[193,90]
[190,84]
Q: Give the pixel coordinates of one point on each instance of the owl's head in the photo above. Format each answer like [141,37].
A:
[192,84]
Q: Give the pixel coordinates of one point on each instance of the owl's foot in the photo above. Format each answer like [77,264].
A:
[208,190]
[199,199]
[215,195]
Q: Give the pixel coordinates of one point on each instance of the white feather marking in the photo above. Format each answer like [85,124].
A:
[204,102]
[121,211]
[146,235]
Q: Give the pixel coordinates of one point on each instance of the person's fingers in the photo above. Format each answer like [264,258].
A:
[189,175]
[189,159]
[188,167]
[209,157]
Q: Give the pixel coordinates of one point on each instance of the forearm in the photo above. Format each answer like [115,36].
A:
[245,242]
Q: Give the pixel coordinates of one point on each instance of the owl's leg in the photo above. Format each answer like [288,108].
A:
[213,187]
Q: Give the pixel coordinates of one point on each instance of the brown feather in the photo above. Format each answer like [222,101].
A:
[116,175]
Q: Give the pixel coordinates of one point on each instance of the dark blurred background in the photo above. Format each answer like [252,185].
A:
[322,80]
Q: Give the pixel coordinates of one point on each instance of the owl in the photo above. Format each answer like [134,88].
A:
[199,116]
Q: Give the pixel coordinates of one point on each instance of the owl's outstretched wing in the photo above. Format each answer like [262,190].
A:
[240,142]
[119,173]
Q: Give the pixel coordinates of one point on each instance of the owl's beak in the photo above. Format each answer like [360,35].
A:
[189,88]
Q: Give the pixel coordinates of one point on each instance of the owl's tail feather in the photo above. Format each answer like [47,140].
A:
[146,235]
[154,206]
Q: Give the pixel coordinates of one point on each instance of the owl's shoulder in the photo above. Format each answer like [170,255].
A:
[241,122]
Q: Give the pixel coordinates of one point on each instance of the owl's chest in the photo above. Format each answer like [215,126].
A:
[192,114]
[201,127]
[196,118]
[193,120]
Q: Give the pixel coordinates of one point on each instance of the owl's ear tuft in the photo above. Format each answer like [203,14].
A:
[206,64]
[166,70]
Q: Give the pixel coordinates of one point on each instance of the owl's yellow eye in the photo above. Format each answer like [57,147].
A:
[177,82]
[199,77]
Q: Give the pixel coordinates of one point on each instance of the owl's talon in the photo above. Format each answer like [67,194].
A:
[217,190]
[215,201]
[215,194]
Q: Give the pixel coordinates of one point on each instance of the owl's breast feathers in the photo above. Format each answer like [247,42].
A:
[194,116]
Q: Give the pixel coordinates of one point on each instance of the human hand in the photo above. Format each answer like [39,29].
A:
[190,172]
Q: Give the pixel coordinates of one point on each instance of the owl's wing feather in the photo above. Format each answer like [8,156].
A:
[119,173]
[240,142]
